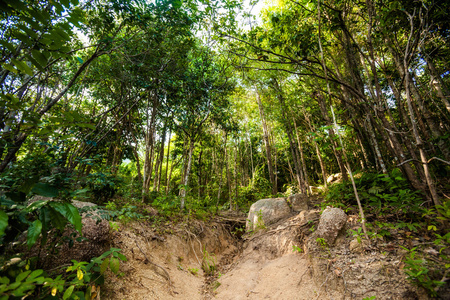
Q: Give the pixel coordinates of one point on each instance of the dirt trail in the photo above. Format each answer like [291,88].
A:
[270,272]
[263,266]
[286,277]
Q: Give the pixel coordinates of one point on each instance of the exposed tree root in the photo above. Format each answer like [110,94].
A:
[158,266]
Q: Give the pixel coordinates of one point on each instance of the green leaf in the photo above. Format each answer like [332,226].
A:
[33,232]
[58,220]
[34,62]
[3,222]
[122,257]
[39,16]
[17,5]
[68,292]
[39,57]
[114,265]
[7,45]
[22,37]
[45,189]
[22,66]
[35,274]
[58,8]
[28,31]
[104,266]
[4,280]
[36,205]
[62,34]
[9,68]
[22,276]
[70,212]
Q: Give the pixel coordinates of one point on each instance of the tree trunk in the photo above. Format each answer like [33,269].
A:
[300,148]
[187,173]
[319,155]
[267,144]
[220,173]
[337,153]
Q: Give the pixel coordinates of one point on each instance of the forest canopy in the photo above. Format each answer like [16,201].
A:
[181,99]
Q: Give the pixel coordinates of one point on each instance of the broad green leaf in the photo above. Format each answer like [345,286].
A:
[9,68]
[114,265]
[22,37]
[68,292]
[3,222]
[4,280]
[63,34]
[70,212]
[57,219]
[33,24]
[45,189]
[22,276]
[104,266]
[58,8]
[7,45]
[122,257]
[23,288]
[35,274]
[39,16]
[28,31]
[22,66]
[33,232]
[34,62]
[17,5]
[177,3]
[39,57]
[36,205]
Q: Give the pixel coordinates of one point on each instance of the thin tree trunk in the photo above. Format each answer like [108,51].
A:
[227,168]
[337,153]
[289,131]
[300,148]
[267,144]
[187,173]
[200,172]
[220,173]
[319,156]
[167,159]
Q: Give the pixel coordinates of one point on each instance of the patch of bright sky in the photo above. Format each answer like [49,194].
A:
[255,8]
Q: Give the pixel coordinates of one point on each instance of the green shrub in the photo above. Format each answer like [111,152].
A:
[103,185]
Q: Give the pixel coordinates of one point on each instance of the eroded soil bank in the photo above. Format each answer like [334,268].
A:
[276,262]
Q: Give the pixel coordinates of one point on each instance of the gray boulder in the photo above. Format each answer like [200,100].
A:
[331,223]
[298,202]
[266,212]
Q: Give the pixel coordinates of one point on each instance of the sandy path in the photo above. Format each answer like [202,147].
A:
[286,277]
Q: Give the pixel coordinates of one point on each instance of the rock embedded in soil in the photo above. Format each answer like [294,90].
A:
[332,221]
[298,202]
[266,212]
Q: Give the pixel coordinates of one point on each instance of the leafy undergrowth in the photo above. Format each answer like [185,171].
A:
[398,217]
